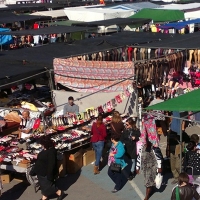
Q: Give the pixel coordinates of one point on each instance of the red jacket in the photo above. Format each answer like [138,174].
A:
[98,133]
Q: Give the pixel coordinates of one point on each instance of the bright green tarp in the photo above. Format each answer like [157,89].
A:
[159,15]
[186,102]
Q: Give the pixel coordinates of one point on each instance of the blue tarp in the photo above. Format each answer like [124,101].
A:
[5,39]
[179,25]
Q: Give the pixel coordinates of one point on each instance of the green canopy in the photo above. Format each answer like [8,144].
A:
[159,15]
[186,102]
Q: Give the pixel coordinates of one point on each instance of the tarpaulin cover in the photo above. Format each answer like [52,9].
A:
[5,39]
[92,76]
[49,30]
[186,102]
[160,15]
[115,21]
[179,25]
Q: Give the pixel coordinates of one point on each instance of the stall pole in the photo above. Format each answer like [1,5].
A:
[43,120]
[138,106]
[181,142]
[51,85]
[139,125]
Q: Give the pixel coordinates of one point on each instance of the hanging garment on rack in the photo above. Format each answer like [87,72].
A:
[130,52]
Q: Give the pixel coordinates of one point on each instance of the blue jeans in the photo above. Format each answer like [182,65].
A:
[98,148]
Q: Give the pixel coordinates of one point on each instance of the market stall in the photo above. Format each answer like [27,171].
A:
[187,102]
[71,133]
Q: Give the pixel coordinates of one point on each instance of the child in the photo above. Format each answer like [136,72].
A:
[195,138]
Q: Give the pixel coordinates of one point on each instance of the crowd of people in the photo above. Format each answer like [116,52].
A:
[149,159]
[124,158]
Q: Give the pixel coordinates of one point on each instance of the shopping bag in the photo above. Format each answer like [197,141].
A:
[158,180]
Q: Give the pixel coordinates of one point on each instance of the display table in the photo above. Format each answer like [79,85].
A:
[13,168]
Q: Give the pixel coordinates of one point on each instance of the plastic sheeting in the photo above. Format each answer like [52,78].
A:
[51,13]
[179,25]
[95,14]
[5,39]
[136,6]
[158,15]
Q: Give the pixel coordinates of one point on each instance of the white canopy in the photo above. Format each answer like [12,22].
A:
[52,13]
[95,14]
[187,8]
[136,6]
[174,6]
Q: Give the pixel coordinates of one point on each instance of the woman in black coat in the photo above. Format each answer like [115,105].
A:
[129,138]
[46,169]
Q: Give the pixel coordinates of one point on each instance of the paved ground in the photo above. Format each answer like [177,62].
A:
[84,185]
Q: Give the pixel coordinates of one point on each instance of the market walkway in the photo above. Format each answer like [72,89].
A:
[86,186]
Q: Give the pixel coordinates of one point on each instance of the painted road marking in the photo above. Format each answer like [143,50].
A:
[136,188]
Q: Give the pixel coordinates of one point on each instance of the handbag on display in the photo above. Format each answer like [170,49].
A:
[158,180]
[114,167]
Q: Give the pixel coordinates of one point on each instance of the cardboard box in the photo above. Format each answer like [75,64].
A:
[74,162]
[61,163]
[24,165]
[88,157]
[5,178]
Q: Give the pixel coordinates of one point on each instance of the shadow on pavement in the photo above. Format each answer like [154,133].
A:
[15,192]
[66,182]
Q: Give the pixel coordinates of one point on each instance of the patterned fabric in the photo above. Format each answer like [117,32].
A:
[149,129]
[91,76]
[149,167]
[194,161]
[157,114]
[148,161]
[111,158]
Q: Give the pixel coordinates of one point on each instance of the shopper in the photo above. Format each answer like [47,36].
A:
[129,138]
[116,125]
[150,162]
[116,155]
[191,161]
[98,139]
[184,191]
[46,169]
